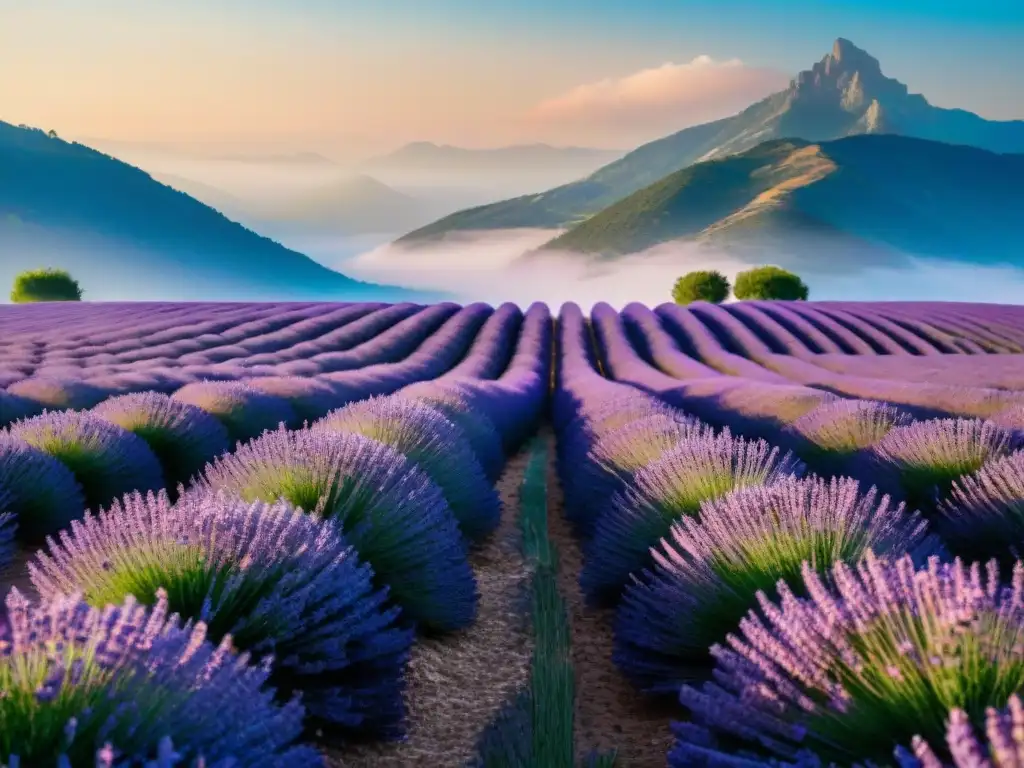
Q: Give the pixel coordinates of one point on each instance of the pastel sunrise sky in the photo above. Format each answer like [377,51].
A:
[364,76]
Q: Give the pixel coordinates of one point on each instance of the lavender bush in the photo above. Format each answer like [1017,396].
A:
[245,412]
[272,577]
[435,445]
[616,455]
[832,435]
[387,508]
[14,407]
[695,471]
[106,460]
[707,574]
[983,515]
[183,437]
[852,675]
[479,430]
[124,685]
[41,491]
[926,457]
[8,527]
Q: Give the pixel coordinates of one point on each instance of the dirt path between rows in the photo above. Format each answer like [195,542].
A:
[610,714]
[457,684]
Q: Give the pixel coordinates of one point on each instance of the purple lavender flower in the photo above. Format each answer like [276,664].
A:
[41,491]
[1003,747]
[14,407]
[77,679]
[696,470]
[616,455]
[388,509]
[436,446]
[927,456]
[272,577]
[707,574]
[983,514]
[479,430]
[854,673]
[310,398]
[246,412]
[183,437]
[106,460]
[58,393]
[844,427]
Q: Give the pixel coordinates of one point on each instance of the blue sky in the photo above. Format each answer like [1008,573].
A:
[377,73]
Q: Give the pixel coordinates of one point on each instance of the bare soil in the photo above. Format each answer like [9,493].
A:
[458,683]
[610,713]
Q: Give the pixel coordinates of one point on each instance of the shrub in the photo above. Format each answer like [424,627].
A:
[616,455]
[771,283]
[107,461]
[57,393]
[707,573]
[853,674]
[711,286]
[310,398]
[983,515]
[387,508]
[245,412]
[84,682]
[41,491]
[183,437]
[478,428]
[14,407]
[434,444]
[695,471]
[925,457]
[45,285]
[272,577]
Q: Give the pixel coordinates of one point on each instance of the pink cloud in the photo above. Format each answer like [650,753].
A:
[656,101]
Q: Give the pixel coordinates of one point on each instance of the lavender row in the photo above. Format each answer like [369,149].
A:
[406,514]
[720,561]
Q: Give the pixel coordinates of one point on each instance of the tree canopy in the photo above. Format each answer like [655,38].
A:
[45,285]
[705,285]
[771,283]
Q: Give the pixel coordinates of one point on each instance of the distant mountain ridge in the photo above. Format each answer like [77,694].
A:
[874,198]
[425,155]
[117,229]
[844,94]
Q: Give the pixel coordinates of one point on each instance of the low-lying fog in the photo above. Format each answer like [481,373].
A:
[487,267]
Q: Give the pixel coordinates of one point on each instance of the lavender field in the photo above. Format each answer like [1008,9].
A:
[755,534]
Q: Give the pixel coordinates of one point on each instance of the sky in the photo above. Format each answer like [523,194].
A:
[357,77]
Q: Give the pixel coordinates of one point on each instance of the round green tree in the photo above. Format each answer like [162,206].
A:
[704,285]
[45,285]
[770,283]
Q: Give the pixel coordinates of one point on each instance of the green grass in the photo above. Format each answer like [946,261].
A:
[536,730]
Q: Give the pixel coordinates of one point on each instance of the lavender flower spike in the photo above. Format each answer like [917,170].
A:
[107,461]
[272,577]
[1003,747]
[79,679]
[388,509]
[698,469]
[435,445]
[983,515]
[707,574]
[853,674]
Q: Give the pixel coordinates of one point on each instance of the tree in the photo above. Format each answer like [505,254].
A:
[701,286]
[772,283]
[45,285]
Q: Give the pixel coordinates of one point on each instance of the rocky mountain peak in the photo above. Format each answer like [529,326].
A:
[849,77]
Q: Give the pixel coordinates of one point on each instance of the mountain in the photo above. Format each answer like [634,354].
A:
[348,205]
[296,158]
[844,94]
[426,156]
[876,198]
[125,235]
